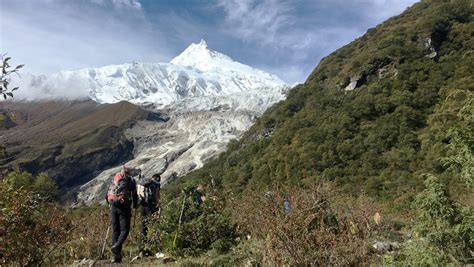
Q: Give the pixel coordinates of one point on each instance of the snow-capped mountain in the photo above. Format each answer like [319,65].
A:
[196,72]
[209,98]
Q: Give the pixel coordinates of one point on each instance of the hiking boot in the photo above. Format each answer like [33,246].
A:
[115,249]
[116,254]
[116,259]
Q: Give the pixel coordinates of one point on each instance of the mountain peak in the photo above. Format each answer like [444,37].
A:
[202,43]
[197,55]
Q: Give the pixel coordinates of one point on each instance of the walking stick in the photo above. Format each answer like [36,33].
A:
[179,222]
[133,230]
[105,241]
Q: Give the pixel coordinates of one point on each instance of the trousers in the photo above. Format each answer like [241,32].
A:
[120,219]
[146,212]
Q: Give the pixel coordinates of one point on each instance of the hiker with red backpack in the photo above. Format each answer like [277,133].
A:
[121,196]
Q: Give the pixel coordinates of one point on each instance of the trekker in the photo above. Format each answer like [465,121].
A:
[149,198]
[198,194]
[122,194]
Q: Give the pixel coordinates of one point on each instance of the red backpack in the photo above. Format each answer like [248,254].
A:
[119,191]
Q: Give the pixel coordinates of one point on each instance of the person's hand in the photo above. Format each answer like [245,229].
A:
[157,213]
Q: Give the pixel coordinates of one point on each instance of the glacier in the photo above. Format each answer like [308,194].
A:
[209,98]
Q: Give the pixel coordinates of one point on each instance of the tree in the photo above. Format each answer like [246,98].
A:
[5,78]
[462,144]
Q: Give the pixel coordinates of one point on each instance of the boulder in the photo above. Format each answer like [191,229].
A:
[384,246]
[430,47]
[353,83]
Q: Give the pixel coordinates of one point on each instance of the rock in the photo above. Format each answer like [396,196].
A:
[377,218]
[383,246]
[84,262]
[387,72]
[428,43]
[395,246]
[382,72]
[407,237]
[160,255]
[164,259]
[375,65]
[251,263]
[353,83]
[429,46]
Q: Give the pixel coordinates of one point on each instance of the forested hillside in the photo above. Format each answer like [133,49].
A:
[372,117]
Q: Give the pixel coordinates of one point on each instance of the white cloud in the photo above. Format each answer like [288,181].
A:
[39,88]
[53,35]
[132,4]
[254,20]
[383,9]
[304,31]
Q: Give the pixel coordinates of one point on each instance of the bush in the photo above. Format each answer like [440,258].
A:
[29,227]
[89,229]
[187,227]
[461,144]
[318,228]
[444,231]
[41,186]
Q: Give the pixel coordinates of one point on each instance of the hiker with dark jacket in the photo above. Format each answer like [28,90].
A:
[149,199]
[121,196]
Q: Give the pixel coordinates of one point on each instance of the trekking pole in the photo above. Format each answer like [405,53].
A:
[105,241]
[133,230]
[179,222]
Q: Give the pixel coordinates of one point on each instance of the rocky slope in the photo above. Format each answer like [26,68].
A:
[71,140]
[196,132]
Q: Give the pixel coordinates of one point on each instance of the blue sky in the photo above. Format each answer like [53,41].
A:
[284,37]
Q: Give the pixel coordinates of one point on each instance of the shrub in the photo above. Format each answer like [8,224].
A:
[187,227]
[43,187]
[461,144]
[89,229]
[29,227]
[318,228]
[444,231]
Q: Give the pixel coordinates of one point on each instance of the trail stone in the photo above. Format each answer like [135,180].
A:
[381,246]
[84,262]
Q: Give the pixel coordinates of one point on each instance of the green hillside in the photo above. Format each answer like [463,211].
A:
[410,77]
